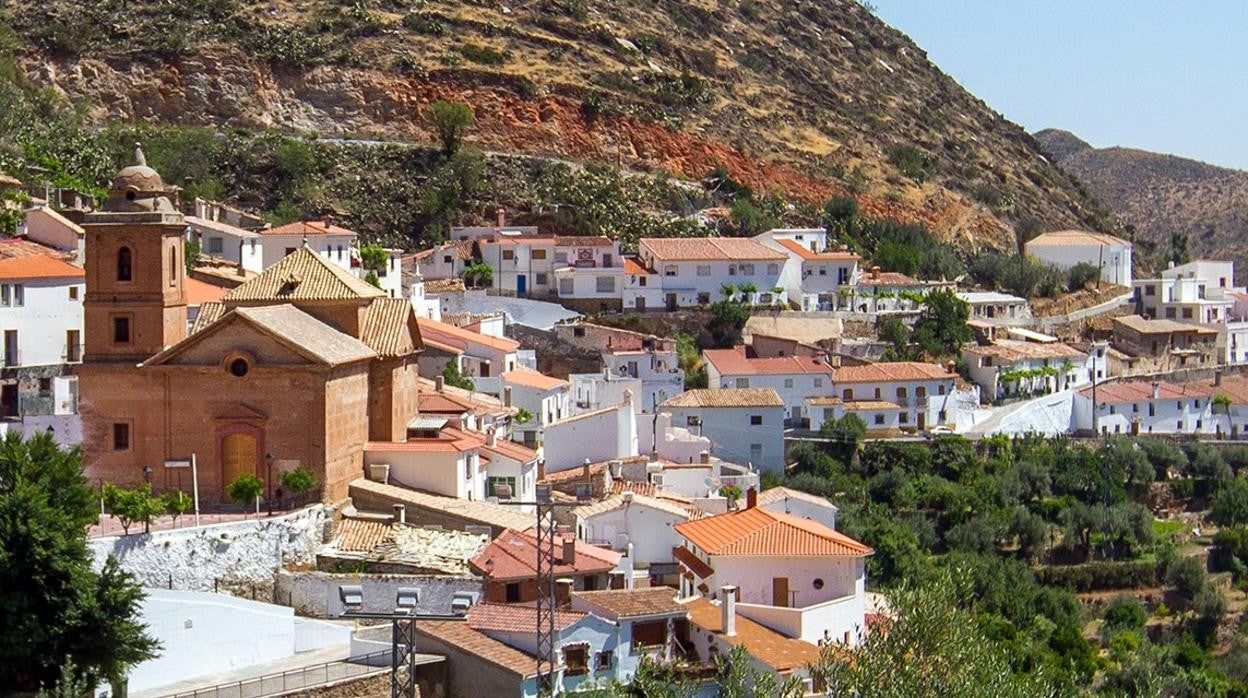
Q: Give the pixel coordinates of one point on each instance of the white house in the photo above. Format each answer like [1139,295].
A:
[793,575]
[545,398]
[224,241]
[799,504]
[47,227]
[878,291]
[744,425]
[643,287]
[645,523]
[795,378]
[817,277]
[445,261]
[41,321]
[694,271]
[526,265]
[604,434]
[334,243]
[1144,407]
[435,458]
[1066,248]
[477,355]
[1199,291]
[925,393]
[1012,367]
[997,307]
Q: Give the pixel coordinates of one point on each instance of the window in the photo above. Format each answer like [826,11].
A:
[121,436]
[704,270]
[818,584]
[641,281]
[576,659]
[540,279]
[842,276]
[1150,290]
[604,284]
[879,419]
[756,452]
[788,382]
[747,270]
[847,394]
[578,331]
[818,382]
[756,420]
[492,483]
[73,293]
[239,367]
[561,258]
[669,270]
[216,245]
[940,389]
[692,421]
[447,259]
[904,417]
[823,271]
[173,266]
[125,264]
[512,592]
[704,299]
[1179,425]
[565,287]
[509,254]
[732,270]
[538,254]
[773,268]
[1187,313]
[901,392]
[743,382]
[877,393]
[651,634]
[121,330]
[73,348]
[602,661]
[1152,410]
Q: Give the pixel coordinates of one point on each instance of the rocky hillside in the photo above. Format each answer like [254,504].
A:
[807,100]
[1156,195]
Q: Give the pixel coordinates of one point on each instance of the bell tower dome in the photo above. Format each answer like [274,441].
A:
[135,303]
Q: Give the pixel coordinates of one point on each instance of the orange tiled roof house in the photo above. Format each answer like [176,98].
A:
[301,365]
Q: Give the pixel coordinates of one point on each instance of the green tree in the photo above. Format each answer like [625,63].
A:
[893,331]
[727,322]
[452,376]
[941,329]
[1230,503]
[478,275]
[298,481]
[374,258]
[450,119]
[523,416]
[245,490]
[933,647]
[1187,575]
[55,611]
[176,503]
[131,506]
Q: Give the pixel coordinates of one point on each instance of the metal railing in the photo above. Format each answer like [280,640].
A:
[277,684]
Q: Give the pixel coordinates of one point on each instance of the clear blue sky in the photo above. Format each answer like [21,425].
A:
[1171,77]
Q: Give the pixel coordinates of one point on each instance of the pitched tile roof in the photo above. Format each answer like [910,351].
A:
[209,312]
[764,644]
[864,405]
[199,292]
[777,495]
[220,227]
[618,501]
[513,555]
[632,266]
[17,247]
[433,286]
[1234,387]
[807,254]
[480,645]
[533,379]
[514,618]
[38,267]
[692,562]
[1142,391]
[1074,237]
[740,361]
[458,338]
[708,249]
[887,278]
[757,531]
[304,275]
[583,241]
[726,397]
[510,449]
[386,327]
[1010,350]
[475,511]
[892,371]
[449,440]
[308,228]
[1146,326]
[294,328]
[614,604]
[362,535]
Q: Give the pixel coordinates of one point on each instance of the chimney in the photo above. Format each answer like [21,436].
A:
[491,437]
[541,469]
[728,606]
[875,272]
[400,514]
[502,216]
[585,474]
[1156,390]
[563,591]
[751,498]
[704,457]
[439,383]
[507,396]
[1217,377]
[569,550]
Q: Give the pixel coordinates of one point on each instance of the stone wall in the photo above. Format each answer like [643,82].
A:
[221,556]
[555,357]
[315,594]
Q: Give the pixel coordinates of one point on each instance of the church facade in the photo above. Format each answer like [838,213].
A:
[300,366]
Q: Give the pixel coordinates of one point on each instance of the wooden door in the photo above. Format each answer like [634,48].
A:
[641,304]
[780,592]
[238,457]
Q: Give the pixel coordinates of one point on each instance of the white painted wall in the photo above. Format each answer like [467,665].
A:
[1115,259]
[649,530]
[43,318]
[793,388]
[610,434]
[457,474]
[733,437]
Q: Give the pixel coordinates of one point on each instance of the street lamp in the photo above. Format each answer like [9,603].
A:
[268,480]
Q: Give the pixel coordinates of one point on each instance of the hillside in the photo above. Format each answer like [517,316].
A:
[804,100]
[1157,195]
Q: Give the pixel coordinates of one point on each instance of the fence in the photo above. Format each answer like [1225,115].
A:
[361,666]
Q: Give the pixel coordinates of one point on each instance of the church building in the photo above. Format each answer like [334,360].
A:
[300,366]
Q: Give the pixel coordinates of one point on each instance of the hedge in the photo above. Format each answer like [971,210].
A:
[1095,576]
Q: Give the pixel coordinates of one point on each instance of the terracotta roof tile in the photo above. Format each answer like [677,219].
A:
[780,494]
[479,645]
[38,267]
[14,248]
[740,361]
[513,555]
[887,278]
[1146,326]
[292,327]
[632,266]
[1142,391]
[1011,351]
[726,397]
[533,379]
[640,500]
[630,603]
[458,337]
[1074,237]
[494,515]
[708,249]
[511,449]
[892,371]
[433,286]
[807,254]
[386,327]
[304,275]
[583,241]
[757,531]
[209,312]
[199,292]
[863,405]
[308,228]
[448,440]
[515,618]
[764,644]
[362,535]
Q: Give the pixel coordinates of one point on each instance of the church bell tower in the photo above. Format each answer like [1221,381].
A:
[135,303]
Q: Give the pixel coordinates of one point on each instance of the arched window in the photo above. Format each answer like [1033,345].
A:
[124,264]
[173,266]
